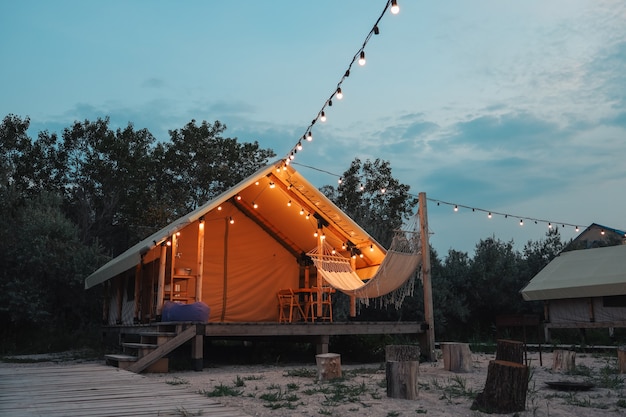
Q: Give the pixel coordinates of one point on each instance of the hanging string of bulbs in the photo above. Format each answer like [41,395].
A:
[456,207]
[337,93]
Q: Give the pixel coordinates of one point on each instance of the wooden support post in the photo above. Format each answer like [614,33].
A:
[510,350]
[457,357]
[161,282]
[621,359]
[429,337]
[137,314]
[200,268]
[328,366]
[505,388]
[322,344]
[197,352]
[563,360]
[402,370]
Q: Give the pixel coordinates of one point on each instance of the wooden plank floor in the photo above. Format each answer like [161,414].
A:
[95,390]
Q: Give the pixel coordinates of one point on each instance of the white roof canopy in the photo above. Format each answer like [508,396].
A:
[581,273]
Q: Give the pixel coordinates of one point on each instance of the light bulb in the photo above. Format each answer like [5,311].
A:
[395,9]
[315,234]
[577,229]
[238,198]
[323,236]
[521,222]
[333,251]
[323,117]
[339,94]
[255,205]
[340,180]
[362,58]
[360,255]
[489,215]
[549,225]
[362,187]
[272,185]
[219,208]
[309,137]
[299,146]
[301,212]
[231,221]
[289,203]
[371,248]
[456,208]
[308,215]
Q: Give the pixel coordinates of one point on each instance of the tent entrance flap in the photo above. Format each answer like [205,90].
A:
[399,264]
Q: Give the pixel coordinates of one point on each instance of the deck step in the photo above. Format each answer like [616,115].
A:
[120,360]
[158,334]
[133,345]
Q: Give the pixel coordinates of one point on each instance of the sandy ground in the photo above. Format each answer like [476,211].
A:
[295,391]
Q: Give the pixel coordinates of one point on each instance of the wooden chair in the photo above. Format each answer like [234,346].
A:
[326,304]
[288,306]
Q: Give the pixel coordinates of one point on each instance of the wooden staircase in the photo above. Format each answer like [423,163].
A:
[146,350]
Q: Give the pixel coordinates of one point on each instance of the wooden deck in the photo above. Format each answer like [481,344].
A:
[94,390]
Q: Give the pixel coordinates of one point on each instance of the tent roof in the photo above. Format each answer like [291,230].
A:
[582,273]
[279,191]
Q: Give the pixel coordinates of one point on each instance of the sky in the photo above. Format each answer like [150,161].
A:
[513,107]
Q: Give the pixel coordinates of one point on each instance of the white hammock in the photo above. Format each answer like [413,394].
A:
[401,261]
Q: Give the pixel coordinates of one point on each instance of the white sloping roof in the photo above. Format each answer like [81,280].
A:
[582,273]
[273,208]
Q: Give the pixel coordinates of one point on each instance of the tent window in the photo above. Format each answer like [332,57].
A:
[614,301]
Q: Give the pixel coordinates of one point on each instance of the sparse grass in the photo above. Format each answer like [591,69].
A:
[239,382]
[177,381]
[393,414]
[454,388]
[253,378]
[302,373]
[280,399]
[325,412]
[222,390]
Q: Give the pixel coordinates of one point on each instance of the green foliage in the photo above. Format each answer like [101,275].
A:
[222,390]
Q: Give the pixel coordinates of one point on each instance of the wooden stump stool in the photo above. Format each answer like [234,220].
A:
[328,366]
[510,350]
[505,388]
[563,360]
[457,357]
[402,369]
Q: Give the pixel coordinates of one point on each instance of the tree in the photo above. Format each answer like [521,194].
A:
[372,197]
[41,282]
[201,164]
[108,182]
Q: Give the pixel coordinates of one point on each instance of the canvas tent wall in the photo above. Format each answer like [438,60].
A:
[583,289]
[241,266]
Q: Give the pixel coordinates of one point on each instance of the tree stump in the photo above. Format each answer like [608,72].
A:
[621,359]
[510,350]
[563,360]
[402,369]
[457,357]
[328,366]
[402,379]
[402,353]
[505,388]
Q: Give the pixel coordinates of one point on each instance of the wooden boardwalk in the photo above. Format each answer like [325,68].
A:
[96,390]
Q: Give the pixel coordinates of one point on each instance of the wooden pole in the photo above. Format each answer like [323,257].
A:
[200,269]
[429,342]
[161,282]
[138,286]
[320,279]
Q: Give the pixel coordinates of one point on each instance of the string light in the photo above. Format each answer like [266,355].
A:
[358,57]
[490,213]
[362,58]
[395,9]
[289,203]
[521,222]
[231,220]
[309,136]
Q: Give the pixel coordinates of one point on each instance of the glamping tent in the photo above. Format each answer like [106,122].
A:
[582,289]
[236,252]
